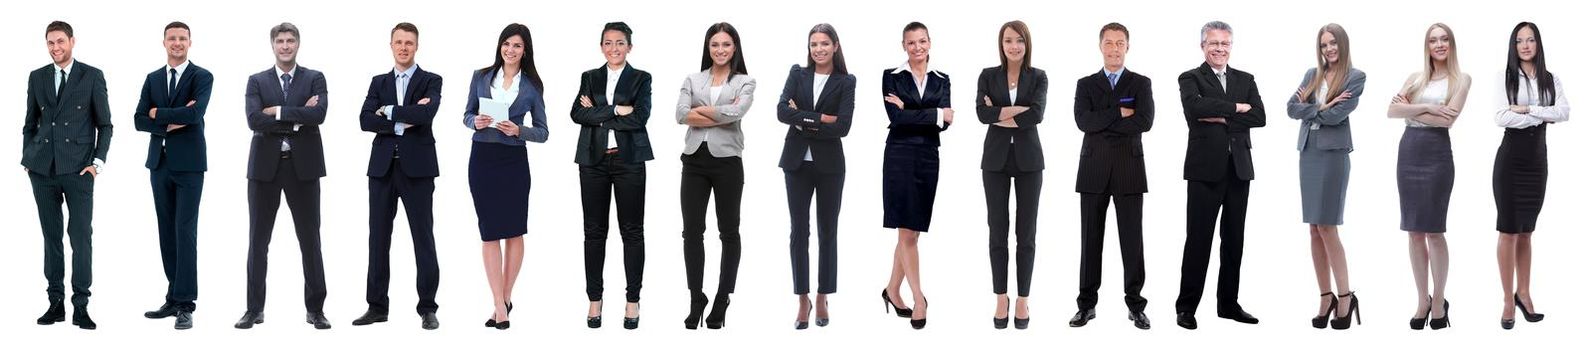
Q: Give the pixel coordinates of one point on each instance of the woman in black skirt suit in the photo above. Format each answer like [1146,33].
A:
[499,169]
[917,100]
[1519,177]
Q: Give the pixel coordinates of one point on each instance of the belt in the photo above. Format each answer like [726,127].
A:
[287,154]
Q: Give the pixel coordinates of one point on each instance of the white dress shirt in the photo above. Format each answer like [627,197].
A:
[1529,94]
[613,83]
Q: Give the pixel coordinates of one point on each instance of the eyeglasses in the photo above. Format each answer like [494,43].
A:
[1221,44]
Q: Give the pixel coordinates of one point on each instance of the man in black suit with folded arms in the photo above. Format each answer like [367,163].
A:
[171,109]
[65,137]
[285,106]
[1221,104]
[399,109]
[1114,107]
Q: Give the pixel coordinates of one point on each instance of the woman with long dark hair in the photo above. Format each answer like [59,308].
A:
[1519,176]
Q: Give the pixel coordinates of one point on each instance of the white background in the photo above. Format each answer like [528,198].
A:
[348,41]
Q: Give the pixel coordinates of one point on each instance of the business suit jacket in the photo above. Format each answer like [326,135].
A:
[67,131]
[807,130]
[417,146]
[184,148]
[1112,158]
[633,89]
[1032,87]
[725,137]
[1326,129]
[918,122]
[1212,147]
[265,90]
[528,101]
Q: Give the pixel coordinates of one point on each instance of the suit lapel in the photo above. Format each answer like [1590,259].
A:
[1209,78]
[409,91]
[72,79]
[183,81]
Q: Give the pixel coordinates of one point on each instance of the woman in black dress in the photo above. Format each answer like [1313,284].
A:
[917,99]
[1519,176]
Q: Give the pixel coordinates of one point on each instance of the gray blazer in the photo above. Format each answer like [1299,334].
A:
[724,138]
[1326,129]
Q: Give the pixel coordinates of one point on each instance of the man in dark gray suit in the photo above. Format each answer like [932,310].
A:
[65,137]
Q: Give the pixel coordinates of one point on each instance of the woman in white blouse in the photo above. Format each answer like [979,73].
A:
[1534,98]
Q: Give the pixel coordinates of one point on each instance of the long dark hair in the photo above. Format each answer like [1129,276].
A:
[737,63]
[839,51]
[1549,93]
[527,61]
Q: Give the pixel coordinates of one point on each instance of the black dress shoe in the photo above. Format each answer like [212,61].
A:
[1444,322]
[1508,324]
[1186,320]
[1320,321]
[1021,323]
[165,310]
[81,320]
[184,320]
[1419,323]
[1082,317]
[1139,319]
[249,319]
[1529,314]
[1000,323]
[56,313]
[633,322]
[370,317]
[428,321]
[890,304]
[1237,314]
[318,319]
[920,324]
[595,321]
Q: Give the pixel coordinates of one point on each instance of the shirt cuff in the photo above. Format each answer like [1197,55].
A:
[295,127]
[940,114]
[397,128]
[388,111]
[99,164]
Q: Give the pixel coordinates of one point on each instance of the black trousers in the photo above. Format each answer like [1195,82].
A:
[997,195]
[303,201]
[1129,231]
[800,185]
[415,192]
[625,182]
[704,176]
[1228,199]
[77,192]
[177,196]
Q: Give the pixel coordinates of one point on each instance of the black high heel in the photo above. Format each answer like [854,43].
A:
[800,324]
[634,322]
[823,321]
[1340,323]
[1319,322]
[1000,322]
[1419,323]
[1440,323]
[1020,323]
[698,304]
[890,304]
[492,322]
[1508,324]
[715,320]
[919,324]
[1529,316]
[595,321]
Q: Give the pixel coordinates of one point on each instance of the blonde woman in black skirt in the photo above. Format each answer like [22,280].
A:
[1519,176]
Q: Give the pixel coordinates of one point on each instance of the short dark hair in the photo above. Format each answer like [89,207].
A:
[1116,27]
[407,27]
[914,26]
[619,27]
[284,28]
[176,25]
[59,26]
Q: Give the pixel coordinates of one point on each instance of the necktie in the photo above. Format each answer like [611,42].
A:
[1113,77]
[61,88]
[171,90]
[1221,76]
[287,80]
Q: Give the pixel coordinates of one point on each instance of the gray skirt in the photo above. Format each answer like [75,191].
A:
[1323,182]
[1425,178]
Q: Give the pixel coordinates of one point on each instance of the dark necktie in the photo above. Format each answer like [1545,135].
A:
[61,88]
[171,90]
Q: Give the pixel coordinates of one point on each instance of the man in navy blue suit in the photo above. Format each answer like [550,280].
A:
[171,109]
[398,110]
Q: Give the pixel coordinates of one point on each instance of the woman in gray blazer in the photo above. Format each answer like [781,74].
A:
[1329,92]
[712,103]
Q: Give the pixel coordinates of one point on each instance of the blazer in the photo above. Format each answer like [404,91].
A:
[807,130]
[417,146]
[633,89]
[724,137]
[1326,129]
[1112,156]
[529,101]
[299,124]
[1212,147]
[65,132]
[184,148]
[1032,87]
[918,122]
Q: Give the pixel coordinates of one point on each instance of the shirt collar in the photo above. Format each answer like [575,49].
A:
[614,73]
[907,67]
[68,68]
[279,71]
[1220,71]
[407,72]
[181,68]
[513,85]
[1117,73]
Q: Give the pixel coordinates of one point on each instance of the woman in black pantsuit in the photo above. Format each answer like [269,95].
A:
[1011,100]
[1535,98]
[917,100]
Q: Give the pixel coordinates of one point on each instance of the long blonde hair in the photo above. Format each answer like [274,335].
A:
[1414,90]
[1339,78]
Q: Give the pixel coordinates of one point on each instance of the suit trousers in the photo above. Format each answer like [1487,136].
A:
[997,195]
[177,195]
[704,176]
[1228,199]
[415,193]
[800,185]
[77,192]
[1130,235]
[303,201]
[624,182]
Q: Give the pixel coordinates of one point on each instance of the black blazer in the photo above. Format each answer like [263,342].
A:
[417,146]
[634,89]
[265,90]
[1112,158]
[918,122]
[1032,87]
[66,132]
[1211,145]
[184,148]
[807,130]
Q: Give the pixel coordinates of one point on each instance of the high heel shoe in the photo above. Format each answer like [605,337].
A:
[802,324]
[1021,323]
[1529,316]
[1508,324]
[1340,323]
[919,324]
[715,320]
[1440,323]
[1319,322]
[1419,323]
[492,322]
[823,321]
[595,321]
[698,304]
[634,322]
[1000,322]
[890,304]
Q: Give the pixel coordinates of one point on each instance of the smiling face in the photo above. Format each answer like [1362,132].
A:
[511,49]
[60,46]
[404,44]
[1525,44]
[1217,47]
[1328,48]
[1113,45]
[1439,43]
[177,42]
[722,48]
[285,45]
[821,47]
[916,45]
[1013,45]
[615,48]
